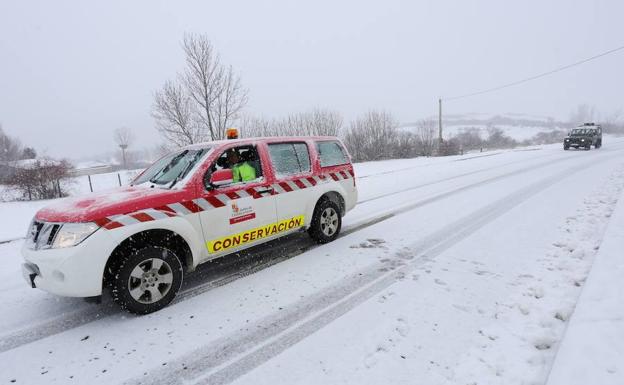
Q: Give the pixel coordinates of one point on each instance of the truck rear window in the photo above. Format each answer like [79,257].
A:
[289,158]
[331,153]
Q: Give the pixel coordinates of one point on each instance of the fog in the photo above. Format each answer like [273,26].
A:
[71,72]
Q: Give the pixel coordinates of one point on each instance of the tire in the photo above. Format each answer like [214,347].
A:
[137,280]
[566,148]
[326,222]
[587,148]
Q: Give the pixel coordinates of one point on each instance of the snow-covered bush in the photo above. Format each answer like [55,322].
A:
[41,178]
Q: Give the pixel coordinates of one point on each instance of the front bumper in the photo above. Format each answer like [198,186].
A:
[30,271]
[577,143]
[73,271]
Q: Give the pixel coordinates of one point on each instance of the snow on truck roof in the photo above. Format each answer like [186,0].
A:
[588,125]
[217,143]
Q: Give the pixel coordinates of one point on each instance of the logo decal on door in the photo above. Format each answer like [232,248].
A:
[241,213]
[240,239]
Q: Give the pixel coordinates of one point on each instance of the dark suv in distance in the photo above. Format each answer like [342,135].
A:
[585,136]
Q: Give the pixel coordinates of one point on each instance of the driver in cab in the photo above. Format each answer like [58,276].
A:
[242,171]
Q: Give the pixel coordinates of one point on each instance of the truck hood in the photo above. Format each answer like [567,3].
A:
[95,206]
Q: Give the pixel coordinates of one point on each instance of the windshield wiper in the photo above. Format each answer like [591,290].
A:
[168,166]
[186,169]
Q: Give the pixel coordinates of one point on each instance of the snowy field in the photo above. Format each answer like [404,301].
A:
[457,270]
[520,127]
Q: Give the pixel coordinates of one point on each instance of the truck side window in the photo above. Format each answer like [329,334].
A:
[244,162]
[289,158]
[331,153]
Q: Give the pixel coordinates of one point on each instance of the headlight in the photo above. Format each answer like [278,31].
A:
[71,234]
[567,140]
[582,140]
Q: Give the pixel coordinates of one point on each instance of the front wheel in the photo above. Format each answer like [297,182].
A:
[587,148]
[326,222]
[147,280]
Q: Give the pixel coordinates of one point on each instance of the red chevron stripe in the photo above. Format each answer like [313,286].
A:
[113,225]
[299,183]
[253,193]
[165,209]
[214,201]
[142,217]
[191,206]
[232,195]
[285,186]
[102,222]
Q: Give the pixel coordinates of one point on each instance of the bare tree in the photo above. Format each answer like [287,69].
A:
[315,122]
[29,153]
[124,138]
[371,136]
[10,148]
[406,145]
[470,139]
[216,90]
[229,104]
[205,99]
[427,140]
[173,112]
[498,139]
[322,122]
[258,126]
[613,123]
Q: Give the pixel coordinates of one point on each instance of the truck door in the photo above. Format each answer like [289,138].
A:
[236,215]
[294,184]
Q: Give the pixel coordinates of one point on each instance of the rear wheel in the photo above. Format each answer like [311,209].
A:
[147,280]
[326,222]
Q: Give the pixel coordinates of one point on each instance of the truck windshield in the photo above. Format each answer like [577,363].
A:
[581,131]
[172,168]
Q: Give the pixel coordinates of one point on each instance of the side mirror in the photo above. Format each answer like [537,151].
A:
[221,177]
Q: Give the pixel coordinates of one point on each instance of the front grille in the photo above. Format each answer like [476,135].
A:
[41,234]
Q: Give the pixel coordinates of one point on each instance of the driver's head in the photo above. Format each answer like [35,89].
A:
[233,157]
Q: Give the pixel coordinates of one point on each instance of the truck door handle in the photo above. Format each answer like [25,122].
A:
[268,190]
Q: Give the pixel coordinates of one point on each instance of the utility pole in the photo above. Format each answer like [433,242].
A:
[123,154]
[440,120]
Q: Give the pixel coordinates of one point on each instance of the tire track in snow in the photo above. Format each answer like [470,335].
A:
[448,179]
[232,356]
[88,314]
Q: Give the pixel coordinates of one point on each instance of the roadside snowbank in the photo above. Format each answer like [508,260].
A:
[592,351]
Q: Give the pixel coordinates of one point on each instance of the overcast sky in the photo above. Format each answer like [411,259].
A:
[73,71]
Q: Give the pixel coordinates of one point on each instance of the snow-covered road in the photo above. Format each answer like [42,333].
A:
[449,271]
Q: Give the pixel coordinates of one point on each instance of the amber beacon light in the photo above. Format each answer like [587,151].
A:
[231,133]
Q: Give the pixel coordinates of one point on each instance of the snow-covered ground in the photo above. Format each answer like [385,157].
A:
[100,182]
[593,349]
[455,270]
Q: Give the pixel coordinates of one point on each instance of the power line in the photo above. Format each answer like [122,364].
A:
[565,67]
